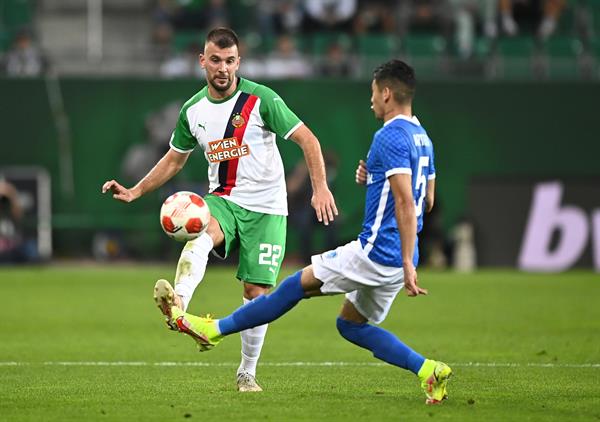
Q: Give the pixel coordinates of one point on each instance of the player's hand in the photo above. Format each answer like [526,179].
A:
[411,281]
[324,204]
[361,173]
[119,192]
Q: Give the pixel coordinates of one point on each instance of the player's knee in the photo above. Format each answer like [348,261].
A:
[215,232]
[346,328]
[252,291]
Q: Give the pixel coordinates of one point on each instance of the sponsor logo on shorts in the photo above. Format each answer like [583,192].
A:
[330,254]
[226,149]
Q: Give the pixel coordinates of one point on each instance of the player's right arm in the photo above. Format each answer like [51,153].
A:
[393,149]
[182,143]
[167,167]
[404,206]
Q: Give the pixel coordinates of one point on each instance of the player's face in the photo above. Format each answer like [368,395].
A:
[377,101]
[220,65]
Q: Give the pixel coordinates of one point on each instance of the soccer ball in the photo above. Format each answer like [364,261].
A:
[184,216]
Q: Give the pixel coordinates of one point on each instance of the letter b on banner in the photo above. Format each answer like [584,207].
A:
[545,217]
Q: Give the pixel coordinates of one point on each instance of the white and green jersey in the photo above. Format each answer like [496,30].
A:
[237,135]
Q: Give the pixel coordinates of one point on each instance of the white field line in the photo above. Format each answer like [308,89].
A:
[307,364]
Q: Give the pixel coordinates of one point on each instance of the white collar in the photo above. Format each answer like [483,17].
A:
[412,119]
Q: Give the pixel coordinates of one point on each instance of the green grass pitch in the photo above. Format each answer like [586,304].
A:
[87,343]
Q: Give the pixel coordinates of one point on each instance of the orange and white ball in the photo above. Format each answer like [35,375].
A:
[184,216]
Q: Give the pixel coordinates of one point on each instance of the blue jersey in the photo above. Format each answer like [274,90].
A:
[400,146]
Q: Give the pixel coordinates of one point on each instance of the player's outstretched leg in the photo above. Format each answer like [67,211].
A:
[203,330]
[263,309]
[387,347]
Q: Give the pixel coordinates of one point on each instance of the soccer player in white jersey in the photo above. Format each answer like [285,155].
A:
[235,123]
[400,177]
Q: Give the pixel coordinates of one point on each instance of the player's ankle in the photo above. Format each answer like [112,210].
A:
[178,301]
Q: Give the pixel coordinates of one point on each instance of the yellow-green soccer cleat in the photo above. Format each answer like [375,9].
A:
[434,377]
[202,329]
[164,296]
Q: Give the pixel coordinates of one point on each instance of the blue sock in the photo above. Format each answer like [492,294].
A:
[382,343]
[265,308]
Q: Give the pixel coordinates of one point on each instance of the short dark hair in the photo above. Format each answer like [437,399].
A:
[223,37]
[399,77]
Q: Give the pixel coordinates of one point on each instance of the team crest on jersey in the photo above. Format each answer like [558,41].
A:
[237,120]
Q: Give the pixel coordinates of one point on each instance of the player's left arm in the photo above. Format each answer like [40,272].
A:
[404,206]
[322,199]
[282,121]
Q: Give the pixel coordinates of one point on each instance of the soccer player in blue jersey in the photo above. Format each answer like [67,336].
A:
[399,175]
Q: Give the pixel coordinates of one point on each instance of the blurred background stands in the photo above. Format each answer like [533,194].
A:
[444,39]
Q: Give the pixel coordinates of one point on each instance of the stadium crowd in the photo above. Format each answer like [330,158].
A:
[346,38]
[303,38]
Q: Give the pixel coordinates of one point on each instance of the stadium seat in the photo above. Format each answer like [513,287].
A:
[426,53]
[242,16]
[595,11]
[377,45]
[562,55]
[483,47]
[183,39]
[320,42]
[515,57]
[268,44]
[4,40]
[595,57]
[375,49]
[15,13]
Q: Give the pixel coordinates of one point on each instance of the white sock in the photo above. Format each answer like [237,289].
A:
[252,342]
[191,267]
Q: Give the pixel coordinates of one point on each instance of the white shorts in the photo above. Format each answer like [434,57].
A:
[371,287]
